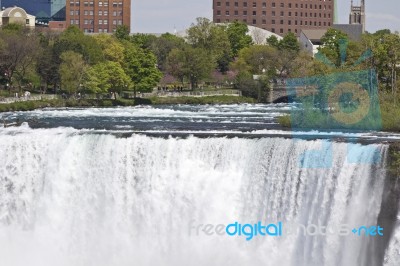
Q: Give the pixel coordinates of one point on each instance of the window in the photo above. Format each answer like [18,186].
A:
[100,12]
[100,3]
[254,13]
[72,12]
[226,3]
[254,4]
[115,4]
[218,3]
[105,21]
[71,22]
[105,12]
[120,4]
[254,21]
[120,22]
[114,22]
[227,13]
[100,22]
[77,21]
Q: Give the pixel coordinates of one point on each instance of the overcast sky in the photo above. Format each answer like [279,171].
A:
[159,16]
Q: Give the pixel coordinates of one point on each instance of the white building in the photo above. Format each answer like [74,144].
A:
[310,40]
[16,15]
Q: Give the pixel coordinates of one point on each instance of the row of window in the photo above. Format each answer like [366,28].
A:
[289,22]
[282,14]
[100,30]
[91,13]
[273,4]
[100,4]
[100,22]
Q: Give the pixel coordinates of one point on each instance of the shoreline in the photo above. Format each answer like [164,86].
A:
[58,103]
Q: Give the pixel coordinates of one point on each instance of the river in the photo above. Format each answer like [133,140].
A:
[148,185]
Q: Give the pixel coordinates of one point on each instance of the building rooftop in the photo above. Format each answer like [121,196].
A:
[314,35]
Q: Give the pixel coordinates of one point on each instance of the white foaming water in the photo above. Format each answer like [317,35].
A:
[95,199]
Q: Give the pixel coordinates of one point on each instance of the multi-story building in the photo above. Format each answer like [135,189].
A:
[98,16]
[44,11]
[278,16]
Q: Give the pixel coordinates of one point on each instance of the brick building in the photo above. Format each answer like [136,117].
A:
[278,16]
[98,16]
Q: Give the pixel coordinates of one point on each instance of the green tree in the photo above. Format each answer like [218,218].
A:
[289,43]
[73,39]
[112,49]
[19,54]
[141,66]
[122,33]
[331,42]
[72,70]
[107,77]
[273,41]
[142,40]
[195,64]
[163,45]
[213,38]
[238,38]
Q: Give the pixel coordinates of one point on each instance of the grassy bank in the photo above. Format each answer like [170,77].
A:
[32,105]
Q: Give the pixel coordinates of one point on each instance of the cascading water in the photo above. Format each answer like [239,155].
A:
[70,197]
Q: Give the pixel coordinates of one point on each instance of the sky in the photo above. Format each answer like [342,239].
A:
[159,16]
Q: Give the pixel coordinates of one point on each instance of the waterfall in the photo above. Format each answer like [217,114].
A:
[70,197]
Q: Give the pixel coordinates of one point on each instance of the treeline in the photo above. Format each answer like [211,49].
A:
[220,54]
[73,62]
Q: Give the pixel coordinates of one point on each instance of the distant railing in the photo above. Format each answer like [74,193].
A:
[184,94]
[28,98]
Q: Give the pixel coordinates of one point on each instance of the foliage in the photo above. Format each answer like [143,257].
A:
[107,77]
[141,66]
[18,54]
[163,45]
[238,38]
[194,64]
[213,38]
[72,69]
